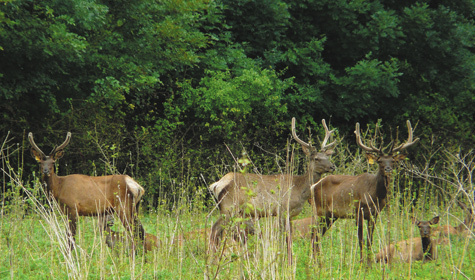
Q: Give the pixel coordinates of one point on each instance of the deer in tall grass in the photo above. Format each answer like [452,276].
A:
[415,249]
[282,195]
[361,197]
[463,229]
[302,227]
[82,195]
[119,240]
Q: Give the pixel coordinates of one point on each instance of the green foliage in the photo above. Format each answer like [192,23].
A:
[168,83]
[228,105]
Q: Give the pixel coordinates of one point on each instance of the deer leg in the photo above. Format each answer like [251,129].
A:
[371,224]
[105,222]
[127,218]
[216,234]
[243,232]
[139,231]
[359,224]
[286,227]
[72,219]
[320,231]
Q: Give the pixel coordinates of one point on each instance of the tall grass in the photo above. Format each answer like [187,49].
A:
[33,239]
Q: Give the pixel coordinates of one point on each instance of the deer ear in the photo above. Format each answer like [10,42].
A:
[434,220]
[308,150]
[371,158]
[36,155]
[399,157]
[305,150]
[57,155]
[329,152]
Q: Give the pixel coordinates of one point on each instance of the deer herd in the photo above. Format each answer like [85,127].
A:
[254,196]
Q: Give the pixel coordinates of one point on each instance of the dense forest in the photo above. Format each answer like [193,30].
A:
[175,90]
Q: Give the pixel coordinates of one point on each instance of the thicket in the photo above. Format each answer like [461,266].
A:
[170,91]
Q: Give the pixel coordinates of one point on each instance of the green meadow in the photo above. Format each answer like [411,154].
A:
[33,237]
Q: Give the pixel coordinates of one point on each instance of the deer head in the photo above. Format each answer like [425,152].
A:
[425,226]
[385,161]
[47,162]
[319,161]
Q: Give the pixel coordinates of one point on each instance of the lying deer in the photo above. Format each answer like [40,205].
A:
[415,249]
[269,195]
[201,234]
[302,227]
[117,240]
[361,197]
[464,229]
[82,195]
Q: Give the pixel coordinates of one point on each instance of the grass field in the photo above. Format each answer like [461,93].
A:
[33,239]
[32,247]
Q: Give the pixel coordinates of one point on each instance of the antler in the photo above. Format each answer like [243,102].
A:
[33,144]
[409,141]
[294,134]
[65,143]
[328,132]
[373,149]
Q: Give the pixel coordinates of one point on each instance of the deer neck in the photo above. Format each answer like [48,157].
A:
[52,184]
[305,181]
[427,248]
[382,184]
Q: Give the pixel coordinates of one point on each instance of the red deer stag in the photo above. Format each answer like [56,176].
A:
[82,195]
[463,229]
[415,249]
[361,197]
[270,195]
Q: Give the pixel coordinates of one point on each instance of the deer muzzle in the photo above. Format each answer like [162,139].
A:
[388,170]
[46,171]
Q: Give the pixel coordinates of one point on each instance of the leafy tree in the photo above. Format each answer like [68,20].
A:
[156,88]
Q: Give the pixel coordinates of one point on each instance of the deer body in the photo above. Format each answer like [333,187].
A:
[302,227]
[404,251]
[339,195]
[269,195]
[361,197]
[463,229]
[414,249]
[82,195]
[117,240]
[89,196]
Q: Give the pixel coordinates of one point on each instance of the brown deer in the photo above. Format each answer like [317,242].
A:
[361,197]
[82,195]
[258,196]
[302,227]
[463,229]
[201,234]
[117,240]
[415,249]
